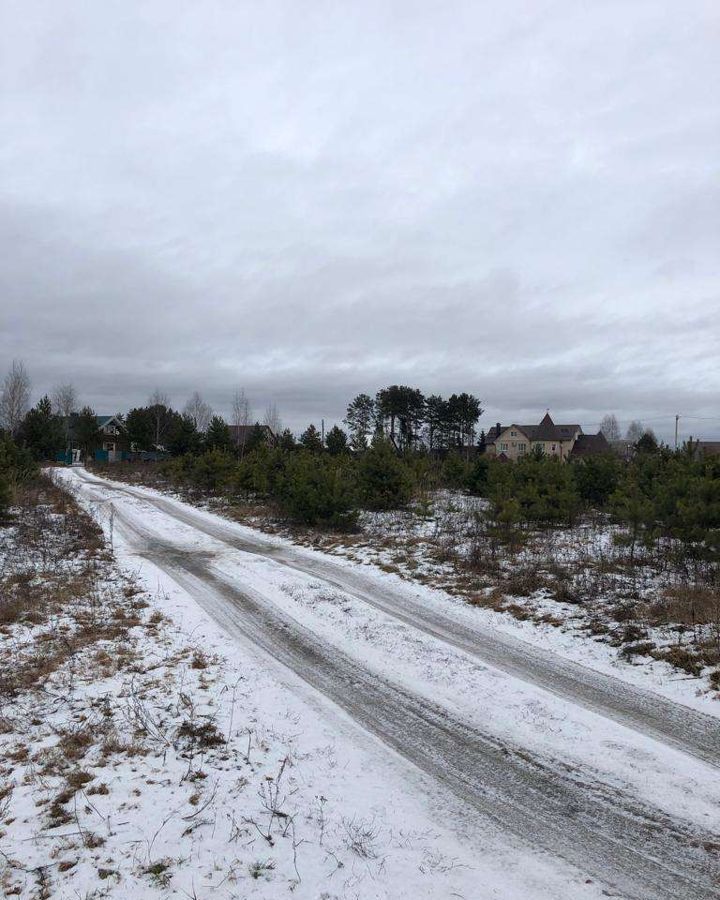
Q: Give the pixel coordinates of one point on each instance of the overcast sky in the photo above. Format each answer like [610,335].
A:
[307,199]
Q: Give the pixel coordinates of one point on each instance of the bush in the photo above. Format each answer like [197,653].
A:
[17,467]
[316,491]
[261,471]
[208,472]
[542,487]
[596,478]
[384,480]
[455,471]
[423,471]
[4,493]
[476,480]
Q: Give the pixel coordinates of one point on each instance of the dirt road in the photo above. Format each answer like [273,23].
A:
[634,848]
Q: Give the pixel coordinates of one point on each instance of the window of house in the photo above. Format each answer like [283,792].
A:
[503,447]
[514,443]
[553,447]
[513,434]
[538,446]
[521,447]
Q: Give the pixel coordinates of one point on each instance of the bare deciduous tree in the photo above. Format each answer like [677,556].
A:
[199,411]
[14,397]
[158,398]
[241,415]
[272,419]
[610,428]
[64,400]
[159,404]
[635,431]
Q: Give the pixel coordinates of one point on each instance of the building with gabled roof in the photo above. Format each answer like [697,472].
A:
[590,445]
[704,449]
[241,435]
[562,441]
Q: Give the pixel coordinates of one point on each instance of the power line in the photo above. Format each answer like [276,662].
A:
[667,418]
[703,418]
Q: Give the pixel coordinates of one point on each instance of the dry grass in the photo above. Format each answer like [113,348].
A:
[60,621]
[578,567]
[686,604]
[200,735]
[54,556]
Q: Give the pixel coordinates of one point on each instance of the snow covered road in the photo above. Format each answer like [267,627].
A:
[653,715]
[618,782]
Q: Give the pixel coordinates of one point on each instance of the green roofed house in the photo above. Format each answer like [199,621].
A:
[108,442]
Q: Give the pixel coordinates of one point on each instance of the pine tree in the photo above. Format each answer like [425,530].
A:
[383,479]
[258,437]
[401,410]
[140,429]
[360,419]
[42,432]
[316,490]
[336,441]
[311,440]
[16,467]
[87,432]
[287,440]
[647,443]
[218,436]
[435,418]
[185,437]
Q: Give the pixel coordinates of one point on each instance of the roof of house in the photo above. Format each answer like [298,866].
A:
[241,433]
[708,448]
[100,421]
[590,445]
[547,430]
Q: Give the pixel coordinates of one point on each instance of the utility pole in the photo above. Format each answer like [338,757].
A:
[677,419]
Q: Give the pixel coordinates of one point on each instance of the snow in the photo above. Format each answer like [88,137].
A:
[553,728]
[357,820]
[174,818]
[571,642]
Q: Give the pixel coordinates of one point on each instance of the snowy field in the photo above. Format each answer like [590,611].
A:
[423,545]
[200,758]
[175,762]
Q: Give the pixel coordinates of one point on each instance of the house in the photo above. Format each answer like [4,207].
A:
[590,445]
[562,441]
[242,435]
[704,449]
[110,431]
[110,427]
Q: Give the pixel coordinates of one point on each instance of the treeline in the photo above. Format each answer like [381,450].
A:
[665,502]
[411,420]
[44,432]
[310,484]
[408,420]
[306,486]
[660,498]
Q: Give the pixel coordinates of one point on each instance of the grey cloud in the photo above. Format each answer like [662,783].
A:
[310,201]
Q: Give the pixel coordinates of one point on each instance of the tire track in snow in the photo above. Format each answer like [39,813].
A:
[644,711]
[616,840]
